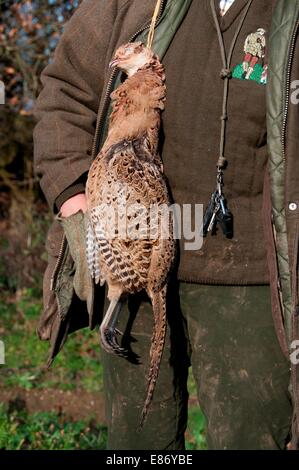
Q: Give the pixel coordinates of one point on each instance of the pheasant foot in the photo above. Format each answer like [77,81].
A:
[108,332]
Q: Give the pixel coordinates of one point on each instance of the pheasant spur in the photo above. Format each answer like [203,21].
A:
[130,246]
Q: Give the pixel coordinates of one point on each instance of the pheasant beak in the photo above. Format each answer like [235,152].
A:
[113,63]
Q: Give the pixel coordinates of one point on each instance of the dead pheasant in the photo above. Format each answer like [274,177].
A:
[128,173]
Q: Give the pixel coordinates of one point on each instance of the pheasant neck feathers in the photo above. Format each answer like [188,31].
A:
[137,104]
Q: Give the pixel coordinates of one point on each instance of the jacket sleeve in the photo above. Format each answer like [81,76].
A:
[66,109]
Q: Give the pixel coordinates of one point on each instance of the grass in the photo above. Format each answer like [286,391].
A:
[78,364]
[77,367]
[48,431]
[195,436]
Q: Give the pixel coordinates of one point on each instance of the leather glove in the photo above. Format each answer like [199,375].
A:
[74,229]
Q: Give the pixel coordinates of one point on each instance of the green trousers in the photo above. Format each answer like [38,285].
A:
[242,378]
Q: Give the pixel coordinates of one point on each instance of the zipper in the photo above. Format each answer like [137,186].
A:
[109,88]
[59,262]
[103,112]
[288,83]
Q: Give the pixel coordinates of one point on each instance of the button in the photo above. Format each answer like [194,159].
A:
[293,206]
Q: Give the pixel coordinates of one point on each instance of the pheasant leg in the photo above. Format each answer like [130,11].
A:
[109,332]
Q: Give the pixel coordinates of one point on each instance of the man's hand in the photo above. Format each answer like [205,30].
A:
[73,205]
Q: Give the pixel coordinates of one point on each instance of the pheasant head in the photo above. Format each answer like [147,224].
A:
[131,57]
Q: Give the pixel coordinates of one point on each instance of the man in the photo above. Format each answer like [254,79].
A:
[254,49]
[219,309]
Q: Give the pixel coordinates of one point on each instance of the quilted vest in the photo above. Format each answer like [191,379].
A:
[280,49]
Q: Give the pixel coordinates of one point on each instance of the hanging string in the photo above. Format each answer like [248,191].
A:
[226,72]
[151,33]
